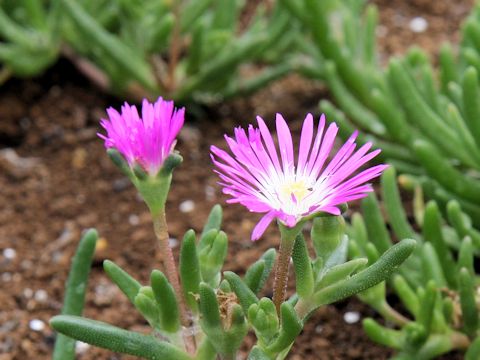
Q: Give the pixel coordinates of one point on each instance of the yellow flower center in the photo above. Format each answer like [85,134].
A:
[296,190]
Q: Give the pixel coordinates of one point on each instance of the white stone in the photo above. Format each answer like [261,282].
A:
[28,293]
[9,253]
[418,24]
[37,325]
[172,242]
[351,317]
[41,295]
[187,206]
[134,220]
[81,347]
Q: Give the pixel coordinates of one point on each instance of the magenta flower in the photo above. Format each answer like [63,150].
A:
[256,177]
[146,140]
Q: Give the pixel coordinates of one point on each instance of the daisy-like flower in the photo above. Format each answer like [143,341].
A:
[146,140]
[291,189]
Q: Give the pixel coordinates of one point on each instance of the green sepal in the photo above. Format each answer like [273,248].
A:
[139,172]
[74,299]
[374,274]
[256,279]
[289,330]
[129,286]
[167,302]
[327,234]
[214,220]
[119,161]
[115,339]
[245,295]
[466,289]
[382,335]
[304,280]
[170,163]
[154,191]
[264,319]
[189,268]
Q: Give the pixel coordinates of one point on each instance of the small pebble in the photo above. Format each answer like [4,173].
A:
[210,193]
[102,245]
[81,347]
[6,276]
[37,325]
[351,317]
[9,253]
[120,184]
[173,243]
[134,220]
[26,264]
[418,24]
[28,293]
[41,295]
[187,206]
[318,329]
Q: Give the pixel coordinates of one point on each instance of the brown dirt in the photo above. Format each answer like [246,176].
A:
[56,181]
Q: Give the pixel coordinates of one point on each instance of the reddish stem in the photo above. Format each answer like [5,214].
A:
[161,231]
[281,270]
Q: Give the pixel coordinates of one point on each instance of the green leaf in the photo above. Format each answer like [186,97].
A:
[74,299]
[394,207]
[468,302]
[304,280]
[374,274]
[382,335]
[167,302]
[189,269]
[129,286]
[245,295]
[289,330]
[115,339]
[214,220]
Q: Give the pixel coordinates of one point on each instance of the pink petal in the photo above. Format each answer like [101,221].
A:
[263,224]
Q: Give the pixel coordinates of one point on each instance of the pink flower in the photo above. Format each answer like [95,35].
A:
[146,140]
[256,177]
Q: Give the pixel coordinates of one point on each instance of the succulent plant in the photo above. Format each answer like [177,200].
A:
[199,51]
[29,33]
[437,286]
[424,126]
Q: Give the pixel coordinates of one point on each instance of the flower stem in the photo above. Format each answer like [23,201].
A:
[281,270]
[161,232]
